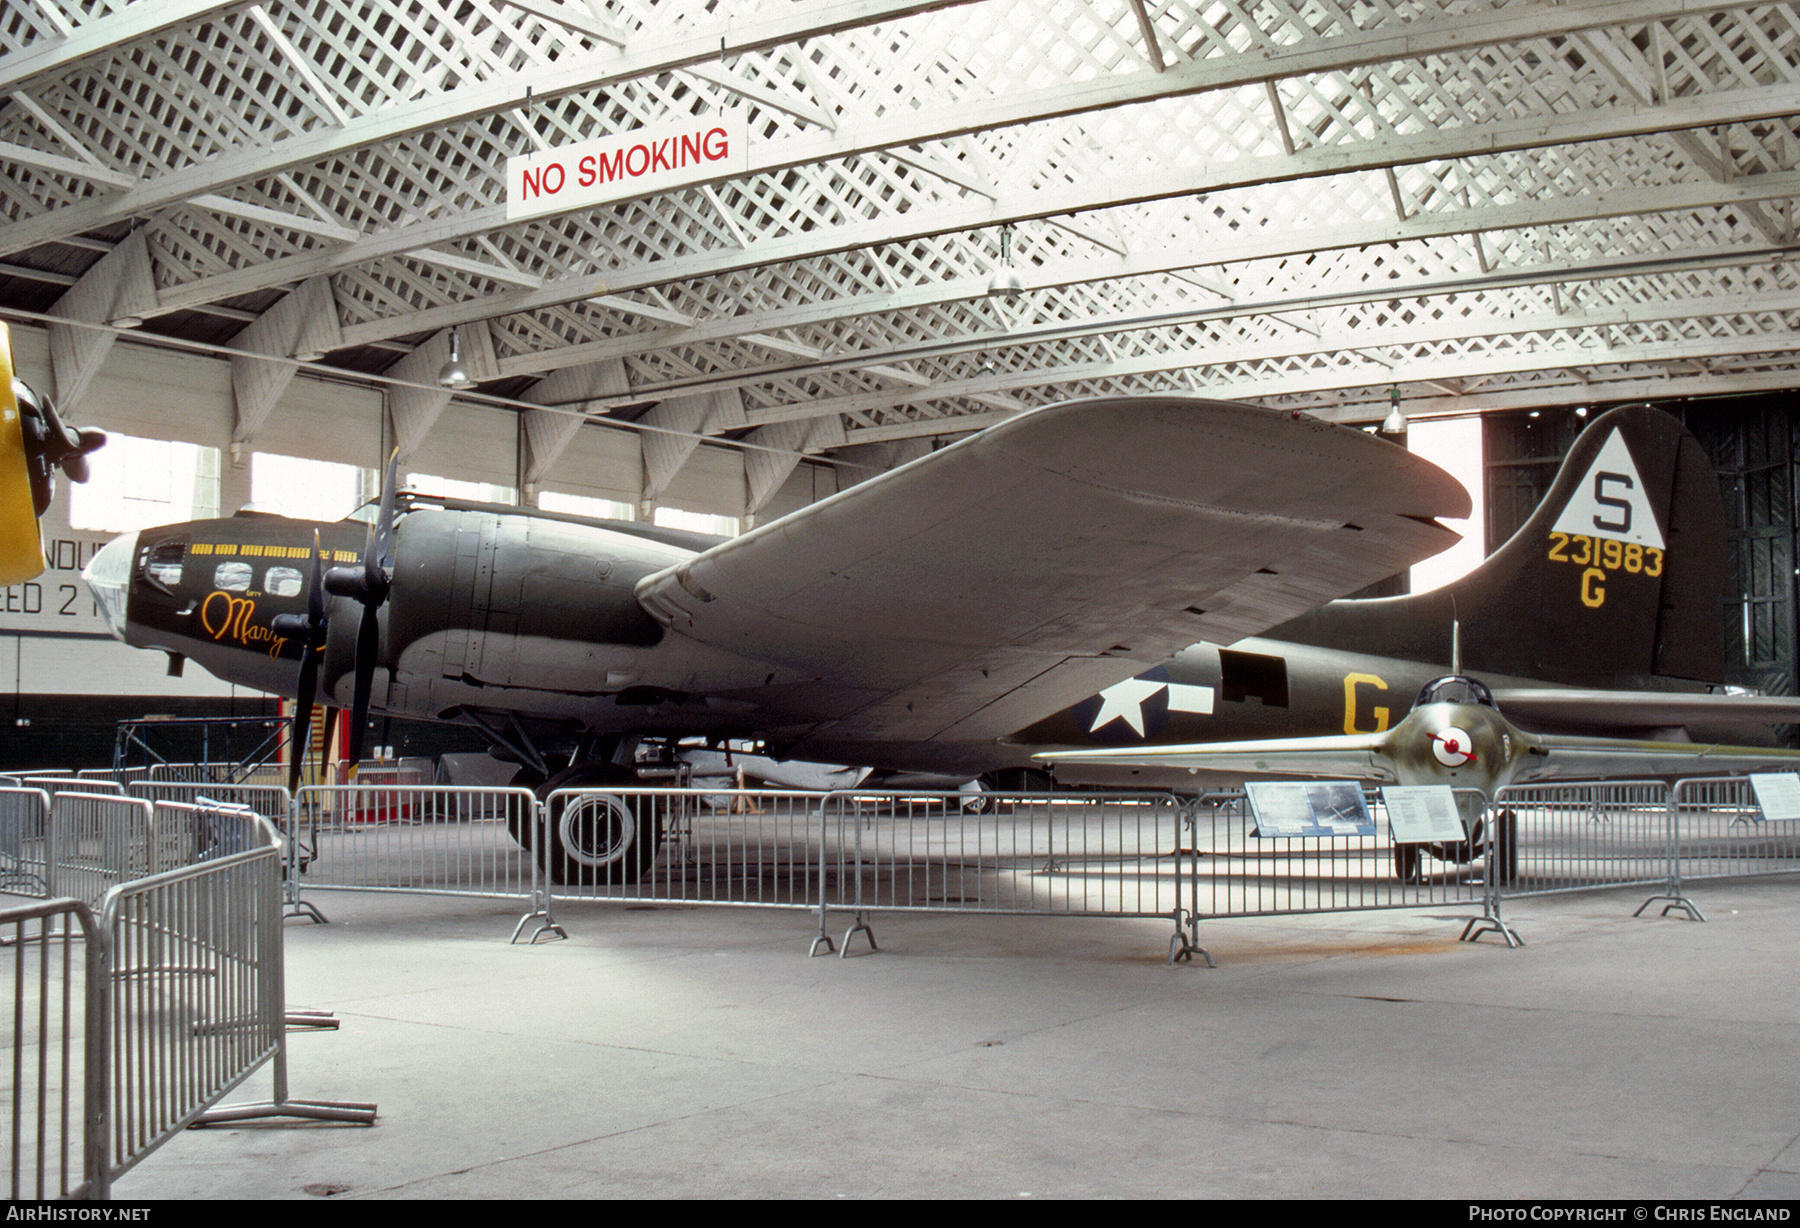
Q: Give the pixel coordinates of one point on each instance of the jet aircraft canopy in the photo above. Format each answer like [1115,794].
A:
[1455,689]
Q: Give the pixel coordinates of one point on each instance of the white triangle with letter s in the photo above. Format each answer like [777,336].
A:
[1610,502]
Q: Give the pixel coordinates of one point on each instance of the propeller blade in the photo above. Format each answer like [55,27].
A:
[311,631]
[325,741]
[368,585]
[368,643]
[378,557]
[50,443]
[298,739]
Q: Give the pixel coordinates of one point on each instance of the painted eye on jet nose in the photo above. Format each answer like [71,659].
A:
[1453,747]
[108,577]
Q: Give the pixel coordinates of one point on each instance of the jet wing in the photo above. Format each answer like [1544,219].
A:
[1369,757]
[1024,568]
[1572,758]
[1643,709]
[1347,757]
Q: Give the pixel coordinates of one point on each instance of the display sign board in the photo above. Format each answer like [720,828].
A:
[1422,814]
[1285,809]
[643,161]
[1778,793]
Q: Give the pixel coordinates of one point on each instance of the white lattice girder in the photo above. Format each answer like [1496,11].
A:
[549,431]
[304,323]
[100,35]
[796,24]
[416,399]
[118,288]
[776,452]
[1013,206]
[1339,369]
[396,240]
[1255,171]
[1418,38]
[674,431]
[1328,296]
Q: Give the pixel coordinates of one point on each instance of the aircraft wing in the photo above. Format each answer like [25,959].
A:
[1022,569]
[1339,757]
[1370,757]
[1572,758]
[1644,709]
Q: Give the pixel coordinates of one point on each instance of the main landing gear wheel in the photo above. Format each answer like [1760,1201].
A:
[601,838]
[1406,862]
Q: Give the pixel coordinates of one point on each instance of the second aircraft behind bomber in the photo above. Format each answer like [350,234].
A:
[1084,575]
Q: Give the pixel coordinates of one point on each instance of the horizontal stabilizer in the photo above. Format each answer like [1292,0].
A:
[1348,757]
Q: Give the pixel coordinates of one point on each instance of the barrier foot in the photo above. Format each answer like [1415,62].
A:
[301,908]
[1181,951]
[859,926]
[1675,901]
[549,926]
[349,1112]
[1490,923]
[312,1019]
[823,940]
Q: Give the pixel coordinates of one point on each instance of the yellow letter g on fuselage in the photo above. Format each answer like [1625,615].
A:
[1379,715]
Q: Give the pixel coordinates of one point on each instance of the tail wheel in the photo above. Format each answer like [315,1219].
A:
[599,838]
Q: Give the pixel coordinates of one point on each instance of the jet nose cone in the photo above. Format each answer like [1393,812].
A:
[108,577]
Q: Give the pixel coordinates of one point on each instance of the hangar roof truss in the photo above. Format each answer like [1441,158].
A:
[1293,202]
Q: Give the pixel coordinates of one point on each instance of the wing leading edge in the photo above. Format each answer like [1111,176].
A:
[966,594]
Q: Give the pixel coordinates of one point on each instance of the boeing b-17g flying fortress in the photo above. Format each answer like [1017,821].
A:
[1110,574]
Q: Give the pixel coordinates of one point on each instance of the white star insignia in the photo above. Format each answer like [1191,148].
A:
[1125,701]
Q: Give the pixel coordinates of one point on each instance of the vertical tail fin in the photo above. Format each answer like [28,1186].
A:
[1614,580]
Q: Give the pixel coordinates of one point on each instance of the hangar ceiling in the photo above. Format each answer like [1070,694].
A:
[1298,203]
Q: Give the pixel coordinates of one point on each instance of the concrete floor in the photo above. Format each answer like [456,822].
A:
[693,1052]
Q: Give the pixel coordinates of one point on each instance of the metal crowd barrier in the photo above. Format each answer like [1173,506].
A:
[24,828]
[219,775]
[184,998]
[1720,831]
[730,846]
[1578,836]
[68,783]
[862,851]
[59,1050]
[200,995]
[420,839]
[97,841]
[1233,871]
[1032,854]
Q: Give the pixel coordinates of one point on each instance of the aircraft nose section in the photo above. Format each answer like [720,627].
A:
[108,577]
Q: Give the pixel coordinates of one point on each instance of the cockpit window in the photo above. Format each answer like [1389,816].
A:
[233,577]
[163,564]
[283,582]
[1455,689]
